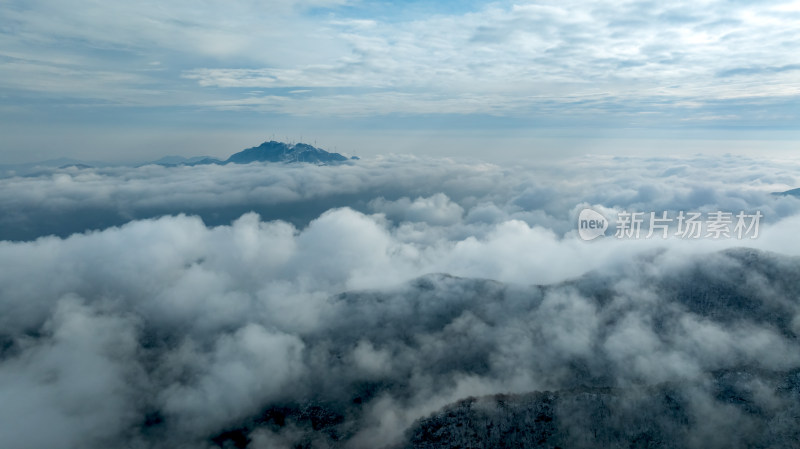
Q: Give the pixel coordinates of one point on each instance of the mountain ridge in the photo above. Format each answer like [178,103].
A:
[274,151]
[269,151]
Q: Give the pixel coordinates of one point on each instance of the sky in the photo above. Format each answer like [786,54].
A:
[132,81]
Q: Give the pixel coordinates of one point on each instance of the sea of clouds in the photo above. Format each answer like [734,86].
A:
[164,306]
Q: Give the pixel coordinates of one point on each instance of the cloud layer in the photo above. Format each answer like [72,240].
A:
[636,62]
[174,332]
[456,197]
[167,333]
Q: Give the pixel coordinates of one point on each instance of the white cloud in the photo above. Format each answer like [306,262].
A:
[435,210]
[506,59]
[433,193]
[645,56]
[207,328]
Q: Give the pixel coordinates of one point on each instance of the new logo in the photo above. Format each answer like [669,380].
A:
[591,224]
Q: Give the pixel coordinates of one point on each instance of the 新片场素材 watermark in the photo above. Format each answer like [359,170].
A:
[683,225]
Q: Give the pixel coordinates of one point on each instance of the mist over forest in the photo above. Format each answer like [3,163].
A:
[226,306]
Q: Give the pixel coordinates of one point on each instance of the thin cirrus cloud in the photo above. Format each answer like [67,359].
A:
[498,58]
[632,53]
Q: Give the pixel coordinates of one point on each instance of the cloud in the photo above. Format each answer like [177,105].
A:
[170,333]
[758,70]
[165,329]
[106,52]
[242,372]
[421,195]
[518,58]
[521,60]
[77,387]
[435,210]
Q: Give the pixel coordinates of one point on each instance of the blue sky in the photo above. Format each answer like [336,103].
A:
[132,80]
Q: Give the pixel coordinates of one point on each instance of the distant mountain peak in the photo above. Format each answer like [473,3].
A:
[271,151]
[274,151]
[792,192]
